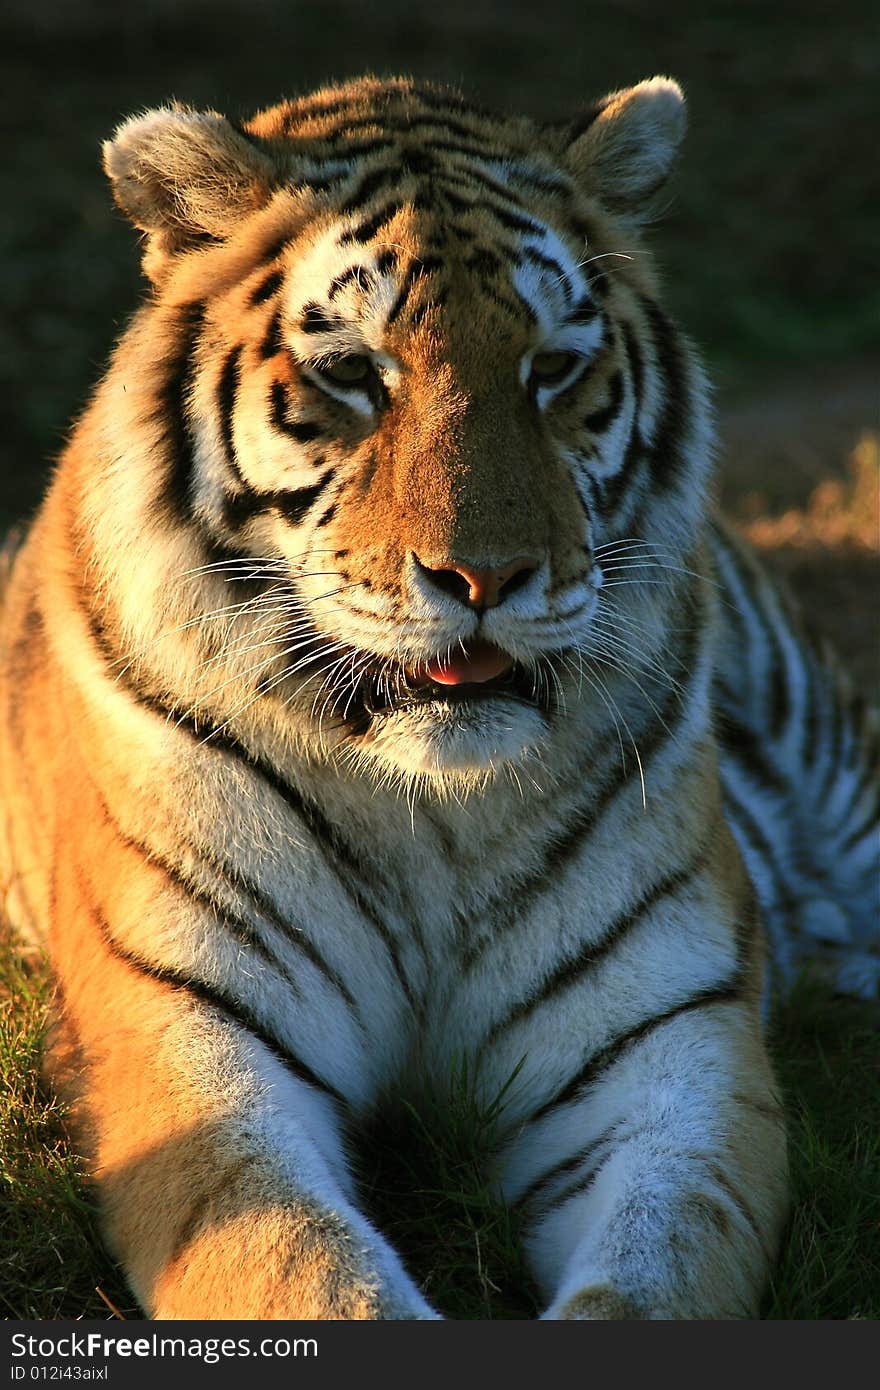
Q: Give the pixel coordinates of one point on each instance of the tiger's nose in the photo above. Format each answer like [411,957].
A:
[475,586]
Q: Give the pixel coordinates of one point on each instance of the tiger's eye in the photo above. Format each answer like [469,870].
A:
[349,371]
[552,366]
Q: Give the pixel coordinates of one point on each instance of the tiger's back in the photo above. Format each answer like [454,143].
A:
[358,717]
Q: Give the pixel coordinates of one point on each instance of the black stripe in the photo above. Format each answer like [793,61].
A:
[519,308]
[600,419]
[227,390]
[865,765]
[597,275]
[742,819]
[635,361]
[459,233]
[340,859]
[397,119]
[625,479]
[624,483]
[780,708]
[273,342]
[511,220]
[354,272]
[531,178]
[418,162]
[238,927]
[441,120]
[473,175]
[303,431]
[591,1071]
[484,261]
[171,412]
[571,837]
[869,821]
[548,263]
[294,933]
[585,311]
[743,745]
[315,320]
[814,735]
[270,285]
[577,1188]
[333,847]
[445,101]
[562,1168]
[751,596]
[721,1179]
[367,230]
[776,677]
[572,970]
[834,745]
[292,503]
[342,147]
[452,199]
[421,311]
[417,270]
[387,259]
[274,248]
[241,928]
[209,994]
[471,154]
[369,185]
[666,460]
[231,1010]
[241,507]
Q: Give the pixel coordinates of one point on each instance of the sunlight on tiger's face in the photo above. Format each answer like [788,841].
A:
[415,397]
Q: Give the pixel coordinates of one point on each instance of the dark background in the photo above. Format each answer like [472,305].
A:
[769,236]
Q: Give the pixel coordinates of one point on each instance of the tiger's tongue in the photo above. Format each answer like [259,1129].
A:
[477,663]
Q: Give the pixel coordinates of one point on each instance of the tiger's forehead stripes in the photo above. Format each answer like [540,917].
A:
[386,111]
[401,262]
[337,305]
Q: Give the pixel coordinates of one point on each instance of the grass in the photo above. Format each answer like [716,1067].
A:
[426,1184]
[828,1059]
[51,1259]
[425,1181]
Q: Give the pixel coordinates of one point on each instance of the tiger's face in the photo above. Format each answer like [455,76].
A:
[426,393]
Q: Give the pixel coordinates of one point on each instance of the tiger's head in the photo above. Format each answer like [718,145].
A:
[403,367]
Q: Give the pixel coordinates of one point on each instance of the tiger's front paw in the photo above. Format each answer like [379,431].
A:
[599,1303]
[287,1264]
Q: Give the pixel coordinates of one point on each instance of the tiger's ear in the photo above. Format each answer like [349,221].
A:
[625,150]
[181,175]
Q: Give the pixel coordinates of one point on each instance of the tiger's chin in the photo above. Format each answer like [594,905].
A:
[458,743]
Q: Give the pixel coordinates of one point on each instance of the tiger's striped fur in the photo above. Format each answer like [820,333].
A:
[292,849]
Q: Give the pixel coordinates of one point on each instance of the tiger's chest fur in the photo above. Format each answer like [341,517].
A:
[359,718]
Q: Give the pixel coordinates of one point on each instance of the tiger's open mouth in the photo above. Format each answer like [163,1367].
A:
[472,674]
[364,687]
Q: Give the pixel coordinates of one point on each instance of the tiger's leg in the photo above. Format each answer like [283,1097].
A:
[219,1156]
[222,1176]
[657,1190]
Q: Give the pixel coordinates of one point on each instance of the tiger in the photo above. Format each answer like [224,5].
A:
[380,692]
